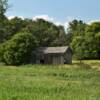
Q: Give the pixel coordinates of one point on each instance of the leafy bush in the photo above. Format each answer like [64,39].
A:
[18,50]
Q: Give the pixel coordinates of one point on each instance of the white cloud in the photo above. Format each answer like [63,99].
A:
[66,25]
[57,23]
[68,19]
[90,22]
[11,17]
[45,17]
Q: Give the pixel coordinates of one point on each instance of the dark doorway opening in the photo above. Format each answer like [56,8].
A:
[41,61]
[65,61]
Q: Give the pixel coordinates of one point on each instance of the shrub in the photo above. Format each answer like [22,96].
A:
[17,50]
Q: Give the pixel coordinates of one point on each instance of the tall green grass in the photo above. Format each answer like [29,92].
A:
[49,82]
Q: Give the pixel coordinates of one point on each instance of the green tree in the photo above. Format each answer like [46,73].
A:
[3,20]
[78,47]
[97,36]
[15,25]
[18,50]
[76,28]
[46,33]
[93,27]
[3,8]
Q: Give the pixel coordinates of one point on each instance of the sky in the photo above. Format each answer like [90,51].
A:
[57,11]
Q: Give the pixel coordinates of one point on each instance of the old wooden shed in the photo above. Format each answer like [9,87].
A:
[52,55]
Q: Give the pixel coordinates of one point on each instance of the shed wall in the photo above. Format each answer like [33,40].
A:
[52,58]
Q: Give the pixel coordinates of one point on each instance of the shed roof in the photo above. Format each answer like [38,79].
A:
[51,50]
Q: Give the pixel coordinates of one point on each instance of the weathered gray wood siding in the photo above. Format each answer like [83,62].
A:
[52,58]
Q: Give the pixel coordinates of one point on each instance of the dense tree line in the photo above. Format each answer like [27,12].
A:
[19,37]
[46,33]
[85,39]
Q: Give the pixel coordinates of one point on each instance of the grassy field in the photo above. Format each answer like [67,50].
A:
[47,82]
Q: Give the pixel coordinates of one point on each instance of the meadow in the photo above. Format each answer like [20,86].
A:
[51,82]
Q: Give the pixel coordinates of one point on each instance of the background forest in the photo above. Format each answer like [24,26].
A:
[19,37]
